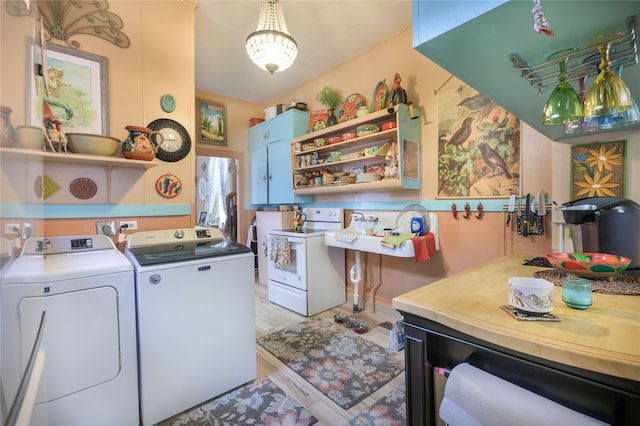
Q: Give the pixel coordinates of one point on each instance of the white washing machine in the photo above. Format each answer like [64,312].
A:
[86,288]
[196,318]
[6,258]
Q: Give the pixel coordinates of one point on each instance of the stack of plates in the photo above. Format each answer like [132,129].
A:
[352,156]
[345,179]
[368,177]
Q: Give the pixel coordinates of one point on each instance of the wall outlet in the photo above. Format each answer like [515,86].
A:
[556,215]
[128,225]
[12,228]
[107,228]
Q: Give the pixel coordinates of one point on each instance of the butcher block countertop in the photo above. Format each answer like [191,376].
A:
[604,338]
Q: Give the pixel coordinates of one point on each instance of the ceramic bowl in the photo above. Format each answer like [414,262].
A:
[388,125]
[360,328]
[367,129]
[349,136]
[320,141]
[349,322]
[531,294]
[589,265]
[83,143]
[29,137]
[335,139]
[339,318]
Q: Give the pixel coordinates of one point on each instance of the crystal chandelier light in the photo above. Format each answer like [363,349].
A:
[270,46]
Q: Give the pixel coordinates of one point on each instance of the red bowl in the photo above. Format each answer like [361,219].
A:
[334,139]
[348,136]
[388,125]
[589,265]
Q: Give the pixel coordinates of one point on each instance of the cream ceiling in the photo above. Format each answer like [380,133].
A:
[327,33]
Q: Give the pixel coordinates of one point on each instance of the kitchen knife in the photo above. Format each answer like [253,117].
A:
[527,215]
[541,204]
[512,204]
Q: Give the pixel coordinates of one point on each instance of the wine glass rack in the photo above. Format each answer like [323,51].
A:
[583,63]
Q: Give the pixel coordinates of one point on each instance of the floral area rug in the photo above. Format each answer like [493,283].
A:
[390,410]
[260,402]
[338,362]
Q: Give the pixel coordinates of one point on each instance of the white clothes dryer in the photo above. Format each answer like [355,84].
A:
[85,286]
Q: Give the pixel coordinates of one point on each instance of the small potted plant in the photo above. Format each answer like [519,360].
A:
[330,97]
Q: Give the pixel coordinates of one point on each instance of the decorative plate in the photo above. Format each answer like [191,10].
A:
[589,265]
[83,188]
[349,108]
[203,188]
[168,103]
[177,142]
[379,98]
[168,185]
[318,120]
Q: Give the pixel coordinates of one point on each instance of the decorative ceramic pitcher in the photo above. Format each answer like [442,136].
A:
[142,143]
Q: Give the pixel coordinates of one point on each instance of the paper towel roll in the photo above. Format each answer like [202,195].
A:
[475,397]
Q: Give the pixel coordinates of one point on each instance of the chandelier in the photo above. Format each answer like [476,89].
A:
[270,46]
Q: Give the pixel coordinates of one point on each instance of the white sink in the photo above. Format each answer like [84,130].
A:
[355,238]
[349,239]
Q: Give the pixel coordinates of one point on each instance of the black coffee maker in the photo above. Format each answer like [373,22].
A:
[605,225]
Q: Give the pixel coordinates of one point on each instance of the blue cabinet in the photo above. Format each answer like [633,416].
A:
[270,158]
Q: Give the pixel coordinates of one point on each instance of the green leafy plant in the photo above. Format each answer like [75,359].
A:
[329,96]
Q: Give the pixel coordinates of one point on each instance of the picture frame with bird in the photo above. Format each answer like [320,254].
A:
[478,146]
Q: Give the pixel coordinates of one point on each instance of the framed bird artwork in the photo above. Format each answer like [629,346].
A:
[478,146]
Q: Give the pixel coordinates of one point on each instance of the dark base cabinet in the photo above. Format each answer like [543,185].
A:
[428,345]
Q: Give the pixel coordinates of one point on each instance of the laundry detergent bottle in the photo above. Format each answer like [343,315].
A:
[417,225]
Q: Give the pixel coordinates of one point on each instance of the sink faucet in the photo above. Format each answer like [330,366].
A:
[354,218]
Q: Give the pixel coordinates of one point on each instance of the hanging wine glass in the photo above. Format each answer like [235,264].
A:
[630,116]
[608,94]
[584,124]
[564,105]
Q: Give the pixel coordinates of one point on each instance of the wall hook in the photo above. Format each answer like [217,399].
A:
[454,210]
[480,211]
[467,211]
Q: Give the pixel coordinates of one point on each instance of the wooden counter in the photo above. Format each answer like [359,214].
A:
[602,339]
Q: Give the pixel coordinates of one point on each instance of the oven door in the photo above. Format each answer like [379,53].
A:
[292,269]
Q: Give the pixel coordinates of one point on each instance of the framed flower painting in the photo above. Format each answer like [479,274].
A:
[598,169]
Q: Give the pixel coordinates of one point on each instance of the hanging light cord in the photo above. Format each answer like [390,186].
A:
[540,24]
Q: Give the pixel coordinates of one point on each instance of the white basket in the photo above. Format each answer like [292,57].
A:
[270,112]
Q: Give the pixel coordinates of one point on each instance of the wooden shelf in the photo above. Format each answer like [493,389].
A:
[381,185]
[77,159]
[406,133]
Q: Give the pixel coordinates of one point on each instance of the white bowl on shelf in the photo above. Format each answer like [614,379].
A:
[29,137]
[83,143]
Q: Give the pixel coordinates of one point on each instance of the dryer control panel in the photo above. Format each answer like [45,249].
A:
[59,245]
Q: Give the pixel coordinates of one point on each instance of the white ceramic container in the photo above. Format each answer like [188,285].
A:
[531,294]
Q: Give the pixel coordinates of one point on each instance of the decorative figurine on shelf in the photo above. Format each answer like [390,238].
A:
[398,95]
[52,127]
[297,220]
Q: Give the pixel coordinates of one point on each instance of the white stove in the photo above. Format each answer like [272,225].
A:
[305,275]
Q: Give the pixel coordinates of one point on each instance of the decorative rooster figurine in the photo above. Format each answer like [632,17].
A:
[398,95]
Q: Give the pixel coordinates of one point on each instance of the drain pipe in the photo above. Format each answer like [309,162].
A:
[356,277]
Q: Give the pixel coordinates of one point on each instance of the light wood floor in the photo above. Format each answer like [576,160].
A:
[271,317]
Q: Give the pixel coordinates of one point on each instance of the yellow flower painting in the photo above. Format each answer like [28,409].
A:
[597,170]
